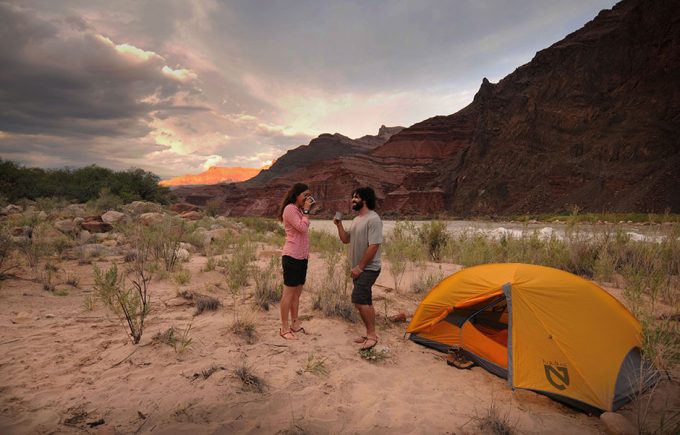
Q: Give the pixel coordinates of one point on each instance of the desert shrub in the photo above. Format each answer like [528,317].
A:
[89,302]
[249,380]
[212,207]
[183,276]
[206,303]
[426,281]
[178,339]
[495,423]
[373,355]
[261,225]
[7,260]
[434,237]
[316,365]
[131,305]
[106,201]
[195,239]
[164,240]
[36,246]
[73,280]
[244,326]
[268,284]
[60,244]
[209,265]
[401,249]
[332,297]
[324,243]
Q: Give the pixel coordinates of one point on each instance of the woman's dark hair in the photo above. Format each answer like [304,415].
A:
[367,195]
[291,196]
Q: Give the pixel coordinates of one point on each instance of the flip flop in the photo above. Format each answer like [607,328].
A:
[300,329]
[284,335]
[360,340]
[368,346]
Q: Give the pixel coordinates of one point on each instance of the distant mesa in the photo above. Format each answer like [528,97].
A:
[214,175]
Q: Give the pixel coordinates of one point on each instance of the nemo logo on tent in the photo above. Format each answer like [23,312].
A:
[557,376]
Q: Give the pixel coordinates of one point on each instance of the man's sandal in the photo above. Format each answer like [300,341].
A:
[360,340]
[369,343]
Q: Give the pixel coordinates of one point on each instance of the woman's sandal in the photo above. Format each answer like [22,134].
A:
[300,329]
[285,335]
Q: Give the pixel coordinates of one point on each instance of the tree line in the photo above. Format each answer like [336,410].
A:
[79,184]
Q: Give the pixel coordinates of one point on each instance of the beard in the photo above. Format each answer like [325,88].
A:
[358,205]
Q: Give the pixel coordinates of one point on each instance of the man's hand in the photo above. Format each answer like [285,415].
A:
[356,271]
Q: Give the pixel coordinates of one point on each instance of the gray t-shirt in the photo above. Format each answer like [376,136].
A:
[365,230]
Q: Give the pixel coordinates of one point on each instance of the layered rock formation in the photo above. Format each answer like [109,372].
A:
[592,121]
[213,175]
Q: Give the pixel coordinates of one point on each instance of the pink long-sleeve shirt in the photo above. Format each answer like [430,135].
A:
[296,225]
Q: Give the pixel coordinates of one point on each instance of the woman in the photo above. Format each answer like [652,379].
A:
[293,213]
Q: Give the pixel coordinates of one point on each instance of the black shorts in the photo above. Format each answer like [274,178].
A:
[362,293]
[294,271]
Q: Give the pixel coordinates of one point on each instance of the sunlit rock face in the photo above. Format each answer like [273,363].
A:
[213,175]
[592,121]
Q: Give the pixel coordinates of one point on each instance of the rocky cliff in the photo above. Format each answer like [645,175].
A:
[213,175]
[592,121]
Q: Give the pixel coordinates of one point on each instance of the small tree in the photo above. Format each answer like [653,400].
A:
[132,304]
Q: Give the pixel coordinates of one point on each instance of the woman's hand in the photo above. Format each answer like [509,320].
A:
[309,202]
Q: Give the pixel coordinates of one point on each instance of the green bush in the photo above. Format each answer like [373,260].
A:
[434,236]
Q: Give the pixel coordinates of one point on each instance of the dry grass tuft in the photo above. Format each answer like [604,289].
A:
[249,380]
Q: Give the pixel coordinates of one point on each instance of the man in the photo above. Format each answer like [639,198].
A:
[365,238]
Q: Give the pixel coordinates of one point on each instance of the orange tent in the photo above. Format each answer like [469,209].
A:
[543,329]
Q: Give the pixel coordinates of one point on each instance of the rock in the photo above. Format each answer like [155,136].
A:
[216,227]
[149,219]
[21,317]
[183,254]
[188,246]
[49,316]
[398,318]
[66,226]
[182,207]
[110,243]
[42,215]
[96,250]
[96,227]
[215,234]
[191,215]
[12,209]
[617,424]
[75,210]
[140,207]
[113,217]
[24,231]
[84,236]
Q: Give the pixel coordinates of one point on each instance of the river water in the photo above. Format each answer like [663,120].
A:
[544,230]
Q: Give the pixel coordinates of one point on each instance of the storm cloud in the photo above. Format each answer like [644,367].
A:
[175,86]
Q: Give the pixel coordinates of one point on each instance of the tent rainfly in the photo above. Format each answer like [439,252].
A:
[542,329]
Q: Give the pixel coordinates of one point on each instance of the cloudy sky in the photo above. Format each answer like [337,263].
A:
[176,86]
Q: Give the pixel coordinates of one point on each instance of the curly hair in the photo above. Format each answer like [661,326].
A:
[367,194]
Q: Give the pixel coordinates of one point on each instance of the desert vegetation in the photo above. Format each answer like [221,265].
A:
[203,282]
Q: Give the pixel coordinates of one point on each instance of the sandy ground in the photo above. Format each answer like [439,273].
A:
[63,368]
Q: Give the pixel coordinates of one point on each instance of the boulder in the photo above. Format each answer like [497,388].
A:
[12,209]
[617,424]
[84,236]
[66,226]
[96,227]
[149,219]
[183,254]
[75,210]
[96,250]
[191,215]
[140,207]
[113,217]
[182,207]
